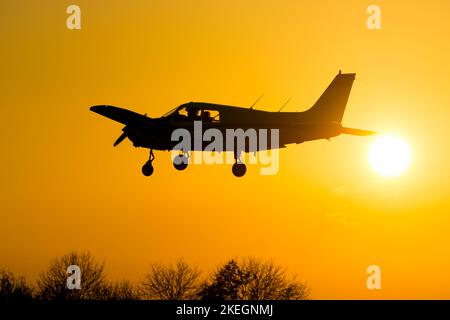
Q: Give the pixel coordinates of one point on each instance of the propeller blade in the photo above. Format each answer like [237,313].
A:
[120,139]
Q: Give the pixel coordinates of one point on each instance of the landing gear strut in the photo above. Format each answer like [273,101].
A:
[239,167]
[147,168]
[180,162]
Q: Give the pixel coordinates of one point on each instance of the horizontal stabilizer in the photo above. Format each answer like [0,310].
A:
[357,132]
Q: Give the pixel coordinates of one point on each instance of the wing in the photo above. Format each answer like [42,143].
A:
[118,114]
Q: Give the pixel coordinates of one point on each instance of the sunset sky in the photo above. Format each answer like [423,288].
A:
[325,216]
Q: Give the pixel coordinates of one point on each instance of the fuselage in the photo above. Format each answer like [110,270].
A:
[293,127]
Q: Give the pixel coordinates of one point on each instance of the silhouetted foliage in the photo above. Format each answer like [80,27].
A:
[252,280]
[226,283]
[179,282]
[51,284]
[248,279]
[14,288]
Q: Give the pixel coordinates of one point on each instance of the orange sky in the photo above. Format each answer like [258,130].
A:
[325,216]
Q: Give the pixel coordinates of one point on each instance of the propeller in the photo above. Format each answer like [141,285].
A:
[120,139]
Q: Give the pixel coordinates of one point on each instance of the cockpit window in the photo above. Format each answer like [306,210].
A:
[170,112]
[187,114]
[182,113]
[194,113]
[211,116]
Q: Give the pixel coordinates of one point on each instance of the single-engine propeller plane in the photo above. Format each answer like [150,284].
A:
[321,121]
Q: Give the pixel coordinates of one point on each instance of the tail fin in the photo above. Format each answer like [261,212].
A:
[331,105]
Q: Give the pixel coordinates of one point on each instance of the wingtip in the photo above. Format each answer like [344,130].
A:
[96,108]
[100,109]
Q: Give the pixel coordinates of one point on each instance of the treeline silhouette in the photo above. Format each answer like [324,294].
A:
[244,279]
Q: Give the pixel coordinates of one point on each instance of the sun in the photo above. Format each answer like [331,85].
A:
[389,156]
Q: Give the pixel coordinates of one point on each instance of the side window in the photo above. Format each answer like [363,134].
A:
[188,114]
[183,112]
[211,116]
[194,114]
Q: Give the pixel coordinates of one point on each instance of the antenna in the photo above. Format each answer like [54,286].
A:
[284,105]
[256,102]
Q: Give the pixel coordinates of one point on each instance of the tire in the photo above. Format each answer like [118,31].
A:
[180,162]
[239,169]
[147,170]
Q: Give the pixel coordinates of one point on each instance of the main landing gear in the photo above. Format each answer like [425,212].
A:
[180,162]
[147,168]
[239,167]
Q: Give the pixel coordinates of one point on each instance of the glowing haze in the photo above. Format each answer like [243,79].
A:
[326,215]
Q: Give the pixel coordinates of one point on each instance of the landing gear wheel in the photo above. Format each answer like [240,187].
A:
[239,169]
[147,169]
[180,162]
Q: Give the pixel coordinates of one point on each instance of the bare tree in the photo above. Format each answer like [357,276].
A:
[14,288]
[179,282]
[51,284]
[120,290]
[268,281]
[252,279]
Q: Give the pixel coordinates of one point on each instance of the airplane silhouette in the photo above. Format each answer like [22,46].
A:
[321,121]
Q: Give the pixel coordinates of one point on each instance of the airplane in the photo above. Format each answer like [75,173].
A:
[321,121]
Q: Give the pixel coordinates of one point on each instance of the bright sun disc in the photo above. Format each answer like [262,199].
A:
[389,156]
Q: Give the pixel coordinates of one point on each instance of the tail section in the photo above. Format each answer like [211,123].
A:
[331,105]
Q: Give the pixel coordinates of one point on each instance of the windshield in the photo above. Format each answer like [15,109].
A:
[170,112]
